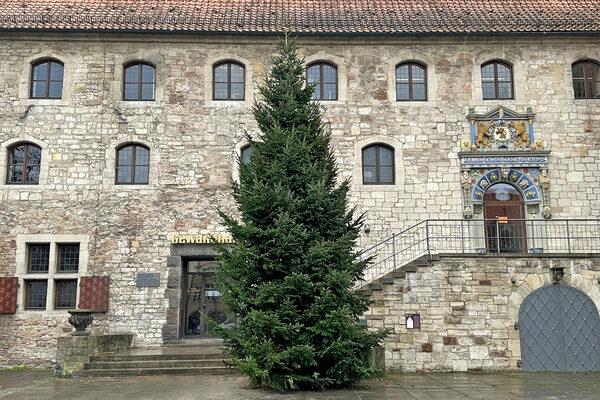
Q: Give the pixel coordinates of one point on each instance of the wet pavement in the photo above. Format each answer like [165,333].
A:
[25,385]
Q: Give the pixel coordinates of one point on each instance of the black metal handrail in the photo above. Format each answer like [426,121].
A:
[482,236]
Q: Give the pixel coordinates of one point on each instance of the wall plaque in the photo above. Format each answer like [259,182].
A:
[413,321]
[147,279]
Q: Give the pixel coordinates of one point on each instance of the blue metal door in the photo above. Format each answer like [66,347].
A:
[559,328]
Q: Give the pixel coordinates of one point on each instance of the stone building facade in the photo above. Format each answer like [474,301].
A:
[193,141]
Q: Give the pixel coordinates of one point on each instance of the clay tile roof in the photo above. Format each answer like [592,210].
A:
[304,16]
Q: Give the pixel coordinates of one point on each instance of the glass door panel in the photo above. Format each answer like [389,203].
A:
[201,298]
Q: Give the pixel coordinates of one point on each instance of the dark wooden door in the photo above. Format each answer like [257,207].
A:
[504,216]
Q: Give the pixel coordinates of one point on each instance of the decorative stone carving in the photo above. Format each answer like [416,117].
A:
[544,178]
[465,180]
[80,319]
[501,128]
[482,132]
[547,213]
[502,153]
[521,134]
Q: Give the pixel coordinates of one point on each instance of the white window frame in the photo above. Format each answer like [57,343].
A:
[22,261]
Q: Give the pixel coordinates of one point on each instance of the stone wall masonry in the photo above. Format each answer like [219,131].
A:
[193,140]
[468,308]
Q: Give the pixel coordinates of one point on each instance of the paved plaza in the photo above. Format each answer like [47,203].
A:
[26,385]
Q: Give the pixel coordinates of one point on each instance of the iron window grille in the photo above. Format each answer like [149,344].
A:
[68,257]
[65,293]
[36,293]
[39,258]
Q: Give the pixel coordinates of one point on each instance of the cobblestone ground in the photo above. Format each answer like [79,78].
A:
[25,385]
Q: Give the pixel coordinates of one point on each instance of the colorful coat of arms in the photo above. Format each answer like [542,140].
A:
[502,128]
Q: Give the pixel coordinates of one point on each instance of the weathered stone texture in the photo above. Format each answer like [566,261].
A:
[472,327]
[193,140]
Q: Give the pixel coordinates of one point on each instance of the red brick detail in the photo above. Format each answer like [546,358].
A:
[449,340]
[93,293]
[8,295]
[426,348]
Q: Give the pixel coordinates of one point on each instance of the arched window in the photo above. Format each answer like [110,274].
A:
[586,80]
[24,164]
[133,164]
[496,80]
[411,82]
[139,81]
[228,81]
[245,154]
[378,165]
[326,77]
[46,80]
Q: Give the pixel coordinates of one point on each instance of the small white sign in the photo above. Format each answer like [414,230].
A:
[213,293]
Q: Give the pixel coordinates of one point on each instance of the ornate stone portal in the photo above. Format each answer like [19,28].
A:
[503,148]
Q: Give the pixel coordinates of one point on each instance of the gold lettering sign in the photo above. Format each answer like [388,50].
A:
[199,239]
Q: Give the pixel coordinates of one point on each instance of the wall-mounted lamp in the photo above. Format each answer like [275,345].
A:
[367,228]
[513,279]
[599,279]
[557,274]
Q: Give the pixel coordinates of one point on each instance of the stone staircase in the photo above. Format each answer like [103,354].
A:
[400,273]
[188,359]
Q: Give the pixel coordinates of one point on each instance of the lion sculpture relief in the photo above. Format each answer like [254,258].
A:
[521,134]
[482,132]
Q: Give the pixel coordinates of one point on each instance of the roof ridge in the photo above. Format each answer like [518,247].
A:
[304,16]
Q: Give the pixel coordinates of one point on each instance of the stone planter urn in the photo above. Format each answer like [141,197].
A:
[80,319]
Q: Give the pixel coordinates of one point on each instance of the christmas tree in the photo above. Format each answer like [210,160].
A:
[290,277]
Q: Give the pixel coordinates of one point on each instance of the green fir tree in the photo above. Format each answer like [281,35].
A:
[290,277]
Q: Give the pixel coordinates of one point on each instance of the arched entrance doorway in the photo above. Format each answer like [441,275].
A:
[504,219]
[559,330]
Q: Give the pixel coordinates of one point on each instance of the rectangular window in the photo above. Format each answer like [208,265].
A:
[39,258]
[68,257]
[35,294]
[65,295]
[49,269]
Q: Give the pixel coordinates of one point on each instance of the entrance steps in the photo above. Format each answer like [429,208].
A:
[197,358]
[399,274]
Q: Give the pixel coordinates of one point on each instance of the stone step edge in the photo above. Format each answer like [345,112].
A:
[156,357]
[154,371]
[124,364]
